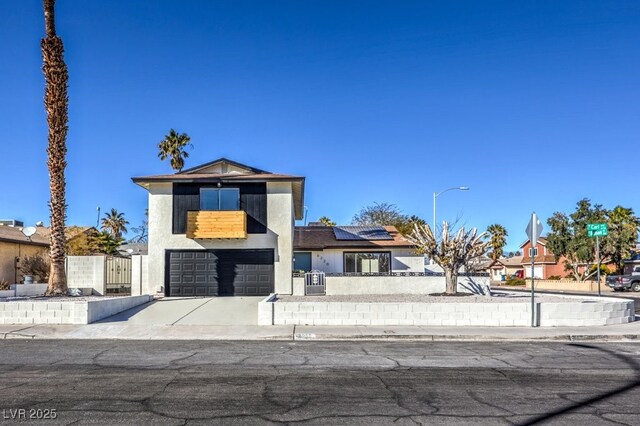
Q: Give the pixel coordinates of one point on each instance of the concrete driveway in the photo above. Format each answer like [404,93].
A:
[192,311]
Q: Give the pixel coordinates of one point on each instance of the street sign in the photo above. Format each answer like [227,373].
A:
[597,230]
[534,229]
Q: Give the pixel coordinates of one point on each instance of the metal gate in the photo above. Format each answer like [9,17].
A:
[118,274]
[314,284]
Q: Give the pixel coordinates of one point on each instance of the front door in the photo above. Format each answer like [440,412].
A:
[301,261]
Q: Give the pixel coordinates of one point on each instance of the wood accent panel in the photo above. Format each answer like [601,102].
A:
[217,224]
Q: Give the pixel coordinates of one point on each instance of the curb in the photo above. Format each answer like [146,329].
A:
[308,337]
[468,338]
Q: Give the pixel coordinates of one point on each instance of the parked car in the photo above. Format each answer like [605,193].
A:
[625,282]
[518,274]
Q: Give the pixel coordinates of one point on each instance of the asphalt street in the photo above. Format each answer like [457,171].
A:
[401,383]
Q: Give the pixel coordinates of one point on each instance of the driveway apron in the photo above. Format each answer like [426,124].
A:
[192,311]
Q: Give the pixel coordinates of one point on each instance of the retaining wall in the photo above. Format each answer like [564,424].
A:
[382,284]
[66,312]
[575,312]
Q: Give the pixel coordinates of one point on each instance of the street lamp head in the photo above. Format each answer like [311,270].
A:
[463,188]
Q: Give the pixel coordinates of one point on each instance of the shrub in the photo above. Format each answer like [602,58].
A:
[555,277]
[515,281]
[4,285]
[38,265]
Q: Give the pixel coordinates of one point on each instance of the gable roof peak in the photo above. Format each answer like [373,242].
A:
[223,166]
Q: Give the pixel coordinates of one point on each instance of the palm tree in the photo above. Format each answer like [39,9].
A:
[326,221]
[497,240]
[451,252]
[114,224]
[173,145]
[56,104]
[623,233]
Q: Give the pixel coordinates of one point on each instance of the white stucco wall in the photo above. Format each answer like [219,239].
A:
[402,285]
[279,235]
[139,274]
[394,285]
[331,260]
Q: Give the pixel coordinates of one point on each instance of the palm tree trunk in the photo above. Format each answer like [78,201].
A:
[451,279]
[56,104]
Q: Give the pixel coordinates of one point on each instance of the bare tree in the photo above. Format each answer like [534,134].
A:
[452,251]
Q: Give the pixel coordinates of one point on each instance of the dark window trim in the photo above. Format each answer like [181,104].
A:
[344,259]
[215,188]
[253,200]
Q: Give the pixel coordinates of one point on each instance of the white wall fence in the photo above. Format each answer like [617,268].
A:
[388,284]
[87,272]
[106,274]
[66,312]
[574,312]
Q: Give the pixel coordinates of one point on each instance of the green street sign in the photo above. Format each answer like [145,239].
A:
[597,229]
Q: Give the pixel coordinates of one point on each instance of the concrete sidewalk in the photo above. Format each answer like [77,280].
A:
[611,333]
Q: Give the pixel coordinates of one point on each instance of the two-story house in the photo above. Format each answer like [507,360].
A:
[546,265]
[221,229]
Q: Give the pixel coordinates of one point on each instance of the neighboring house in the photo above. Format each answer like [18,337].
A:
[14,246]
[79,240]
[504,266]
[354,250]
[545,263]
[631,263]
[129,249]
[222,228]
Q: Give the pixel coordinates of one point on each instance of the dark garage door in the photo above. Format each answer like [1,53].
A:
[220,273]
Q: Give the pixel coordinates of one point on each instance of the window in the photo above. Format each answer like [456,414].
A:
[301,261]
[367,263]
[219,199]
[535,252]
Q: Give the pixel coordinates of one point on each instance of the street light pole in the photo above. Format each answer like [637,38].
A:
[435,196]
[434,213]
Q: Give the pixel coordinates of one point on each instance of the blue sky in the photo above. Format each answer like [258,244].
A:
[533,104]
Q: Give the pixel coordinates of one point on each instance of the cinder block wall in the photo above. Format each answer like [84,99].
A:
[87,271]
[572,313]
[66,312]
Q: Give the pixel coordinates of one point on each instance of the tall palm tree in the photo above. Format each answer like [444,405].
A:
[114,224]
[623,233]
[173,146]
[56,104]
[497,240]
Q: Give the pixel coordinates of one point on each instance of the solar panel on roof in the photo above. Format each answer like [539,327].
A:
[361,233]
